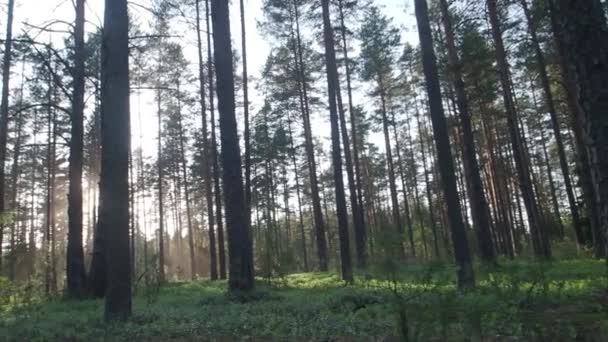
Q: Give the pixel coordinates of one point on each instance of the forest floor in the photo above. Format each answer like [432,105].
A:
[518,301]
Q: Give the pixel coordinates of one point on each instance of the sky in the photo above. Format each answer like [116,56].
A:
[36,13]
[30,14]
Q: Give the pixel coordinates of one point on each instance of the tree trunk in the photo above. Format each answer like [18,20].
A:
[584,32]
[297,178]
[206,151]
[310,154]
[391,169]
[161,206]
[239,238]
[6,75]
[246,135]
[184,170]
[114,185]
[332,89]
[354,133]
[479,205]
[76,277]
[466,278]
[550,106]
[541,249]
[408,218]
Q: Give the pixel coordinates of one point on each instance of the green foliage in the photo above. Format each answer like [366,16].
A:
[519,300]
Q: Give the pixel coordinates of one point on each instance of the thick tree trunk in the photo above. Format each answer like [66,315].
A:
[239,237]
[76,276]
[479,205]
[332,89]
[114,185]
[585,177]
[584,33]
[466,278]
[214,154]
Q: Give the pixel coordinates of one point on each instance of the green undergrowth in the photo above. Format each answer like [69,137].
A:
[517,301]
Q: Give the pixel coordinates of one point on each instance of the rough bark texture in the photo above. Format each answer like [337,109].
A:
[75,272]
[115,137]
[584,33]
[479,206]
[332,80]
[239,238]
[466,278]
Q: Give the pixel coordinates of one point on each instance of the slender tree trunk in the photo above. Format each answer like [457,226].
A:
[462,254]
[297,178]
[427,183]
[49,269]
[206,152]
[361,235]
[408,218]
[332,89]
[550,106]
[479,205]
[310,154]
[161,204]
[541,249]
[76,276]
[391,168]
[15,173]
[239,237]
[184,169]
[247,133]
[6,75]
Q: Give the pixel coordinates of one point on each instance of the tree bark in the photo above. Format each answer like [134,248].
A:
[537,229]
[479,205]
[332,89]
[114,185]
[584,33]
[466,278]
[550,106]
[6,75]
[247,133]
[310,154]
[206,150]
[76,276]
[239,238]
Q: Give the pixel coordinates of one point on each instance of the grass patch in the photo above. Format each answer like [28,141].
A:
[517,301]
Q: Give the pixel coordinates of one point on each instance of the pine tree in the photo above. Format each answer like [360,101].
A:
[462,254]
